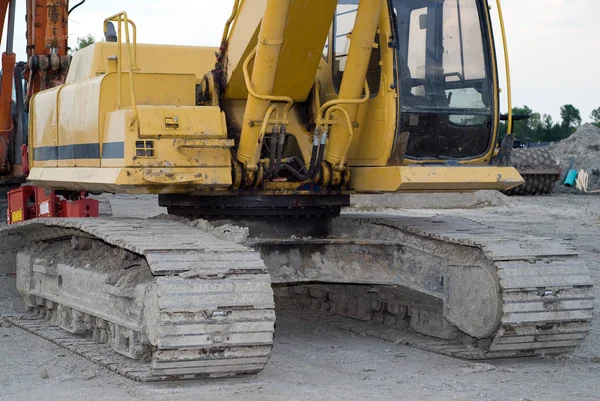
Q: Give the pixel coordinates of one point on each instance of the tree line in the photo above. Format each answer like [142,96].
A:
[542,128]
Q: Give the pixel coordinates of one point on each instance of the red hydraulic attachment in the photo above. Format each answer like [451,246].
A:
[29,202]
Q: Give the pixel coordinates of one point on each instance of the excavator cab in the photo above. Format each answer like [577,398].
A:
[445,70]
[446,73]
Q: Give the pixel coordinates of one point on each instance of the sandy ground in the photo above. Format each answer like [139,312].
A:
[312,361]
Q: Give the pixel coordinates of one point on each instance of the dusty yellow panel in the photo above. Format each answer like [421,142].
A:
[93,60]
[76,178]
[302,47]
[433,179]
[186,150]
[78,124]
[243,37]
[83,63]
[373,140]
[189,121]
[300,53]
[151,89]
[43,128]
[132,180]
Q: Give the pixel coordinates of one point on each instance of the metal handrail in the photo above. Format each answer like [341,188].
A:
[288,100]
[507,66]
[121,18]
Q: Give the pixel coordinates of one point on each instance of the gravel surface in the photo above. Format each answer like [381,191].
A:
[312,361]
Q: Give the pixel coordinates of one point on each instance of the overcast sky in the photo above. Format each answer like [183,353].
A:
[554,44]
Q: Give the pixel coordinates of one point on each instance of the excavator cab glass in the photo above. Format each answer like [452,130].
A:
[345,16]
[446,82]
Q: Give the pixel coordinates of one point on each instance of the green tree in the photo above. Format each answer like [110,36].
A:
[535,121]
[542,128]
[547,122]
[595,116]
[522,128]
[571,118]
[85,41]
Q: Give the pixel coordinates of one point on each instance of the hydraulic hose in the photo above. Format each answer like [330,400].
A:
[75,6]
[280,143]
[318,153]
[272,151]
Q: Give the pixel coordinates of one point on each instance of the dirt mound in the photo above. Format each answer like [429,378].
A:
[583,148]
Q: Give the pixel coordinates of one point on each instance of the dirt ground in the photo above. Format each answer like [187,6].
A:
[312,361]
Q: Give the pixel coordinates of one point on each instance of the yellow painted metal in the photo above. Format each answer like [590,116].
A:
[93,60]
[289,102]
[122,20]
[82,127]
[191,145]
[433,178]
[182,122]
[306,26]
[296,126]
[77,110]
[262,80]
[492,152]
[236,6]
[242,39]
[359,55]
[133,180]
[82,139]
[373,136]
[202,149]
[507,66]
[16,216]
[43,121]
[342,101]
[305,34]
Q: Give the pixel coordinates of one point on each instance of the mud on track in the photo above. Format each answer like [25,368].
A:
[314,361]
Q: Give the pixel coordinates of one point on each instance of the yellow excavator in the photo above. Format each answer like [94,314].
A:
[255,154]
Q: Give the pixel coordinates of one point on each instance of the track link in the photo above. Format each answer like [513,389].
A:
[208,310]
[213,313]
[545,292]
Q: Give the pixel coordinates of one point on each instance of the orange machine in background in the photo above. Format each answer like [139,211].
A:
[46,67]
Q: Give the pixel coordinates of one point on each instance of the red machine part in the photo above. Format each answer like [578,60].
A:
[47,48]
[84,207]
[46,203]
[6,86]
[21,205]
[29,202]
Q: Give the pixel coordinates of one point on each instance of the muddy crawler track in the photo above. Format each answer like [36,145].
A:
[546,293]
[216,309]
[214,305]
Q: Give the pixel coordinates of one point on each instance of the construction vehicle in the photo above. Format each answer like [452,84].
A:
[46,67]
[307,103]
